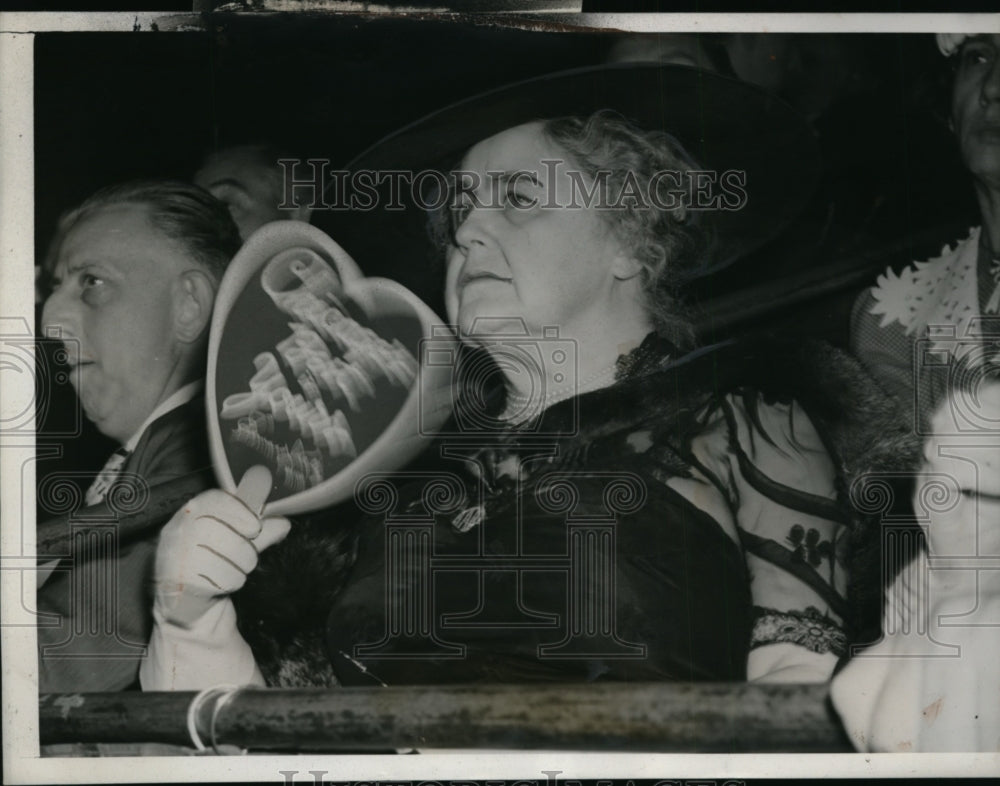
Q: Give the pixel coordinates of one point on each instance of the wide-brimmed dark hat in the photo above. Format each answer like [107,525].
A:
[723,123]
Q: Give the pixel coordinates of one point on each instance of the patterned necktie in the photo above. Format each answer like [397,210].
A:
[111,470]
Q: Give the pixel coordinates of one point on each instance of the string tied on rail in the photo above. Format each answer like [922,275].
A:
[221,696]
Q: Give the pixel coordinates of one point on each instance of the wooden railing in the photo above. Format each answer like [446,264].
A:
[649,717]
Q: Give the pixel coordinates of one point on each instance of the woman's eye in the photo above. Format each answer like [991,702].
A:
[458,215]
[519,199]
[89,281]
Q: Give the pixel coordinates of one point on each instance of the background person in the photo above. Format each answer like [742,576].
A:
[136,268]
[733,563]
[250,181]
[933,682]
[911,328]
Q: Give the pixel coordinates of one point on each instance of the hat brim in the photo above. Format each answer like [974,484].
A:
[725,124]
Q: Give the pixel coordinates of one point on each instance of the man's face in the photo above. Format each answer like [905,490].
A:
[117,279]
[251,188]
[975,106]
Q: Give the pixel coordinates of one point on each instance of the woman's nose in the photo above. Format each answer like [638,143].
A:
[475,229]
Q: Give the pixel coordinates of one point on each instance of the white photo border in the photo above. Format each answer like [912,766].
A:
[17,484]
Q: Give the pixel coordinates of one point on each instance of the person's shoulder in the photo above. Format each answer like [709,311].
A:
[692,395]
[897,297]
[183,424]
[174,444]
[908,273]
[849,410]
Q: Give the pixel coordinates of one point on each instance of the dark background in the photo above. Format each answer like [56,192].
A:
[113,106]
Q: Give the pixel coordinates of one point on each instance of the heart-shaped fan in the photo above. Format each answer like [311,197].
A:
[314,372]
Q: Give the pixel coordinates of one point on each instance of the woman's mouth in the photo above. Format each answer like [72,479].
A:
[481,275]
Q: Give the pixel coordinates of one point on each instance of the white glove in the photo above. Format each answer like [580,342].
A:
[206,551]
[204,554]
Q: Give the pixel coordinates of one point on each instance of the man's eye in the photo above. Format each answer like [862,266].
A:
[977,55]
[94,290]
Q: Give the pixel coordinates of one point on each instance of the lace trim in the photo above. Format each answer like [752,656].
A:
[652,354]
[810,629]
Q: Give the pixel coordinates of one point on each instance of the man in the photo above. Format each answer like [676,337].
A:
[250,181]
[135,271]
[910,329]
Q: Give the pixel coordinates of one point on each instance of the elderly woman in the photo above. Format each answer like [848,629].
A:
[640,512]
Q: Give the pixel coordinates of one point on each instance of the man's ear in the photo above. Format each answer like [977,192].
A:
[625,267]
[194,296]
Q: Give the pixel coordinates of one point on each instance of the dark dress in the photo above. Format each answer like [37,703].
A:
[685,523]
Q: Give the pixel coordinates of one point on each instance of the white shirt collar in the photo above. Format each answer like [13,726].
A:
[178,398]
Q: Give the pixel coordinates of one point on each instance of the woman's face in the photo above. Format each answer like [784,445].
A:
[526,249]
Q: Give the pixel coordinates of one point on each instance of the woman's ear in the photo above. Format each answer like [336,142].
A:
[194,296]
[625,267]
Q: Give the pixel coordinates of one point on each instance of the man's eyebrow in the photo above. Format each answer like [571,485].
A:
[978,38]
[79,262]
[107,266]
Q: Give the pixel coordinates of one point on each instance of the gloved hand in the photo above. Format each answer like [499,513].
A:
[204,554]
[206,551]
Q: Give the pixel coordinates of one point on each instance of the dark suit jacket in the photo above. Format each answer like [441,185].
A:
[103,635]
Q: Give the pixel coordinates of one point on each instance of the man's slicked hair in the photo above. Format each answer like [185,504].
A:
[181,211]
